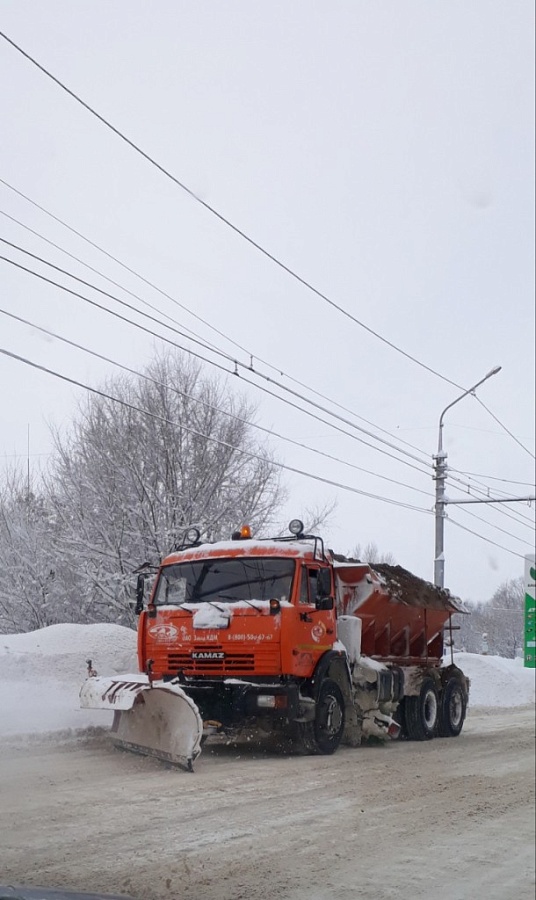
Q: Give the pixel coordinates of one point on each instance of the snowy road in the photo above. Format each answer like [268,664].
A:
[449,819]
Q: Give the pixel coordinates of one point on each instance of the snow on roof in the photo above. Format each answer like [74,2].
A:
[41,674]
[243,548]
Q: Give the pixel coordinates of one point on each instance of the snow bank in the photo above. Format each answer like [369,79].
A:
[496,681]
[41,673]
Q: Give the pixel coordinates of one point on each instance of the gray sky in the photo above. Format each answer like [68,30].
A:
[384,152]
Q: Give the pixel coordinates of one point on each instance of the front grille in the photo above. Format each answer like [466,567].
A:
[263,661]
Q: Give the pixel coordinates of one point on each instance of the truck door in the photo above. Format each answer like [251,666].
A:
[313,631]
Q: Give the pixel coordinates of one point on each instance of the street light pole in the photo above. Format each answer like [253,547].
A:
[440,476]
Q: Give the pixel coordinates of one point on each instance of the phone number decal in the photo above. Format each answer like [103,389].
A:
[247,637]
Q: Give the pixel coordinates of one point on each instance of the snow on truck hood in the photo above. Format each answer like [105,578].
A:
[218,613]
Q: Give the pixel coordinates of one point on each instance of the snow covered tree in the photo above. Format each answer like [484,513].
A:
[28,583]
[178,450]
[505,616]
[500,620]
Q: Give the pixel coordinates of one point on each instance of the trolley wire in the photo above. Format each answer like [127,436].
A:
[155,287]
[482,538]
[88,284]
[223,218]
[226,221]
[247,453]
[503,426]
[329,456]
[219,409]
[494,478]
[219,441]
[212,362]
[497,527]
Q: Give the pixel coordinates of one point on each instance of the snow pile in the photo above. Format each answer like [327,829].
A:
[41,674]
[496,681]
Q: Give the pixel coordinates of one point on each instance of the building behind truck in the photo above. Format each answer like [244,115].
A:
[283,635]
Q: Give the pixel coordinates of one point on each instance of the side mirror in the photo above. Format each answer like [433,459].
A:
[324,600]
[140,590]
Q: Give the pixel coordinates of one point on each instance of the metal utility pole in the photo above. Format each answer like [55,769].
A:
[440,476]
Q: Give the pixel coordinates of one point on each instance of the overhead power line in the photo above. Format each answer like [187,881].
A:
[485,493]
[107,277]
[491,500]
[329,456]
[517,517]
[496,527]
[223,218]
[493,416]
[235,417]
[246,453]
[87,284]
[97,272]
[239,231]
[222,443]
[482,538]
[268,431]
[473,487]
[212,362]
[492,478]
[183,306]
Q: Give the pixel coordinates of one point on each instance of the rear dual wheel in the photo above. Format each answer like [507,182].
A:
[452,710]
[422,712]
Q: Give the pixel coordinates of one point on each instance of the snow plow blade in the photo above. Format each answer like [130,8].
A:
[155,719]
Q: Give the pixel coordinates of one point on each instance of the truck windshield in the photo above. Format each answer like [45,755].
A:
[225,580]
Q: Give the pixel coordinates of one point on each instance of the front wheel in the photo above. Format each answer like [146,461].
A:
[324,734]
[422,712]
[452,709]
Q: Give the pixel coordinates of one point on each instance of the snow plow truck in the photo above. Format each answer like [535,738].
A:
[282,635]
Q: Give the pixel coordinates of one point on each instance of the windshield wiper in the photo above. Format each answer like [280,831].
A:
[241,600]
[192,611]
[249,603]
[214,604]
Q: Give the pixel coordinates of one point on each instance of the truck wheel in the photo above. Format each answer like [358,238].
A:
[324,735]
[422,712]
[452,709]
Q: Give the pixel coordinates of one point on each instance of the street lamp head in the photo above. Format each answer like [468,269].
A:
[494,371]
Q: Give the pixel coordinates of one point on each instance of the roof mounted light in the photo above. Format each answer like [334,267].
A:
[296,527]
[192,536]
[243,535]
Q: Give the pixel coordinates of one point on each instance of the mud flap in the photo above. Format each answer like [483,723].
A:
[157,719]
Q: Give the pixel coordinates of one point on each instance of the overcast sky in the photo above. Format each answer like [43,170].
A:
[382,151]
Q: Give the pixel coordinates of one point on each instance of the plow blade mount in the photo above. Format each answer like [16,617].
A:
[156,719]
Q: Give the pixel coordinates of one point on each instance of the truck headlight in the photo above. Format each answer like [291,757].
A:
[272,701]
[267,701]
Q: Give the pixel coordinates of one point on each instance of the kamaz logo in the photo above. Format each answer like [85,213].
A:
[208,654]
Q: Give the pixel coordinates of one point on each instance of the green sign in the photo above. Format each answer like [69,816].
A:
[530,611]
